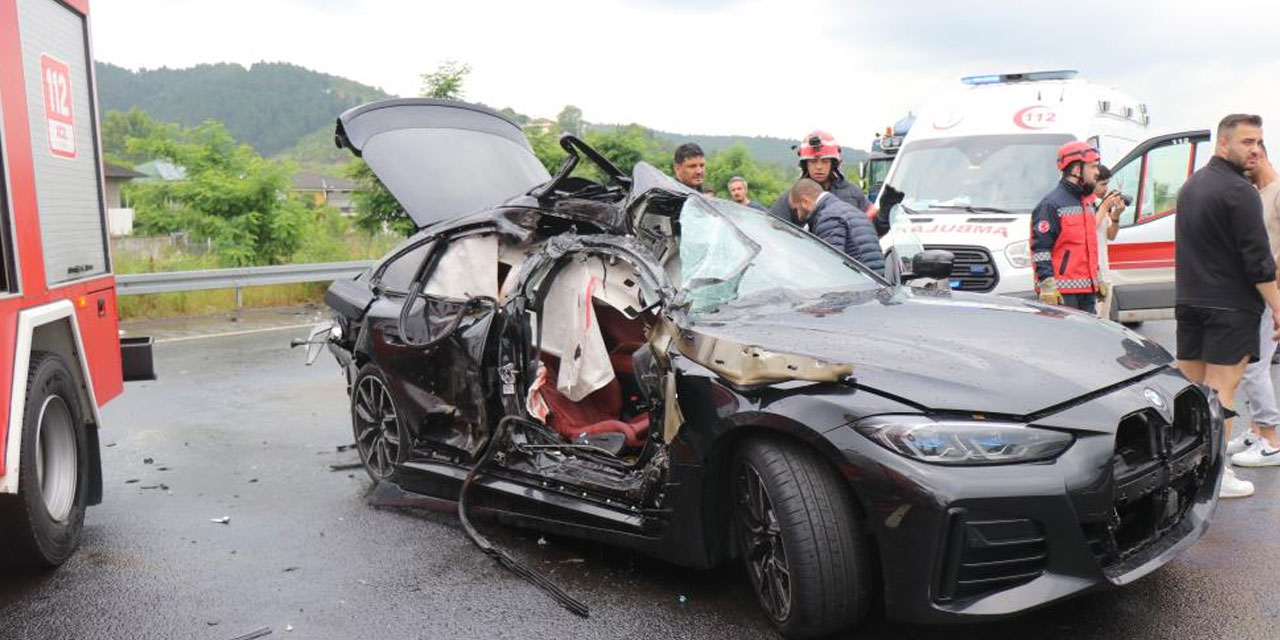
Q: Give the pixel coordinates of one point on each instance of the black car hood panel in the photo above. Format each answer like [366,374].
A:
[948,351]
[441,159]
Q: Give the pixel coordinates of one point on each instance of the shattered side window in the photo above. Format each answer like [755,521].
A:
[730,253]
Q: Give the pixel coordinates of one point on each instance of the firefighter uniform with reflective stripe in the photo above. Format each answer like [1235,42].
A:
[1064,243]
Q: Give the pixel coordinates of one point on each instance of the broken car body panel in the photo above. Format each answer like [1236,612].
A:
[640,332]
[441,158]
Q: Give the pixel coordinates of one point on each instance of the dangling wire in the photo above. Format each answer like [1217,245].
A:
[567,601]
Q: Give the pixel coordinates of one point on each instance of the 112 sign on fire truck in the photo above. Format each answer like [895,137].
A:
[61,357]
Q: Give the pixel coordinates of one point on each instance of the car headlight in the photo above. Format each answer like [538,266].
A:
[963,442]
[1019,254]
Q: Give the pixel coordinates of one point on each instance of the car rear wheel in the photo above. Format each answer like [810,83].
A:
[800,539]
[43,522]
[380,438]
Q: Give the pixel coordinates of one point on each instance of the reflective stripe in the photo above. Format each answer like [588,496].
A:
[1041,256]
[1074,284]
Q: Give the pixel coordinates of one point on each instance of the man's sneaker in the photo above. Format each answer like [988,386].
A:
[1233,487]
[1261,454]
[1242,442]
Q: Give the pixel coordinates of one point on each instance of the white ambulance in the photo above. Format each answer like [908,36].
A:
[979,159]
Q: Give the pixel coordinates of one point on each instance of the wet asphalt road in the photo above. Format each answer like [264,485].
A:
[237,427]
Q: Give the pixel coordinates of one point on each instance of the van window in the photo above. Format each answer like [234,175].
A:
[1166,170]
[1204,151]
[1125,180]
[1012,172]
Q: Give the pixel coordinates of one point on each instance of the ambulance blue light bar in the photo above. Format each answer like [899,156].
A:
[1008,78]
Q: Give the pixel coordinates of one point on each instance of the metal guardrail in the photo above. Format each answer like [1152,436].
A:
[172,281]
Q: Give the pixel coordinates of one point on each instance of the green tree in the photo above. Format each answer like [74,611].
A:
[546,146]
[376,208]
[121,126]
[446,81]
[625,146]
[764,182]
[230,195]
[570,120]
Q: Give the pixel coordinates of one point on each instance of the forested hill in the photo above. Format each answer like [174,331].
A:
[288,111]
[270,105]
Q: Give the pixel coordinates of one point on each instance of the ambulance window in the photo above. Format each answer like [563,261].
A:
[1166,170]
[1125,180]
[1204,151]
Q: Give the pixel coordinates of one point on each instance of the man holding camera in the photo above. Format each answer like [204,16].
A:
[1064,243]
[1111,204]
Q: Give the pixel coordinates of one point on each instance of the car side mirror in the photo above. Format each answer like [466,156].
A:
[930,263]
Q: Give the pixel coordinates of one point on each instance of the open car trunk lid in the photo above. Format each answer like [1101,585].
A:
[441,159]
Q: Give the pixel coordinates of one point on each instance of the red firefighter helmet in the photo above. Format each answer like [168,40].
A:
[1076,151]
[818,144]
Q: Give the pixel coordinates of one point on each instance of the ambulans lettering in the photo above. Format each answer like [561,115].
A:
[978,229]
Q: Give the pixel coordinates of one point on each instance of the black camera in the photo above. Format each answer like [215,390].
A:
[1128,199]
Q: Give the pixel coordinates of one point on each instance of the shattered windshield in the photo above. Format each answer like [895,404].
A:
[730,253]
[1005,172]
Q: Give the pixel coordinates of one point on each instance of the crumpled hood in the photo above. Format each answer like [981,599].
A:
[950,351]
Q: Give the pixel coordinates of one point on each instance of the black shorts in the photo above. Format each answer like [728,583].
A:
[1217,336]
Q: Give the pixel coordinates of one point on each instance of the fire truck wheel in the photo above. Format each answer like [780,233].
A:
[53,478]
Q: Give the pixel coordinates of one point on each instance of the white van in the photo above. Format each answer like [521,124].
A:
[979,159]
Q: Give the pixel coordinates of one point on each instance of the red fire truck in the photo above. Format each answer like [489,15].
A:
[60,351]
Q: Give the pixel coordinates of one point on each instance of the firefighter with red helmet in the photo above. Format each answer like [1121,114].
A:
[1064,243]
[820,161]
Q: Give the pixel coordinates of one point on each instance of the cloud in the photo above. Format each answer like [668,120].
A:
[714,66]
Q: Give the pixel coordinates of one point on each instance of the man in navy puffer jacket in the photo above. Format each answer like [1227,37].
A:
[837,222]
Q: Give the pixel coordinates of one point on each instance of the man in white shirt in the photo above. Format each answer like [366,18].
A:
[1259,446]
[1110,206]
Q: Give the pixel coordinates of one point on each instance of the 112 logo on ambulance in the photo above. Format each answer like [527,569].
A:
[1035,117]
[55,75]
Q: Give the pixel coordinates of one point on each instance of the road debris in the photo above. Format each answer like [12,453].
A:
[222,520]
[148,460]
[257,633]
[346,465]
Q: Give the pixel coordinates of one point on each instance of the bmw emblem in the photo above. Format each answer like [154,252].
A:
[1153,397]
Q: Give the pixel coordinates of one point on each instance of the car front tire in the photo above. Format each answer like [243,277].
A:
[41,525]
[801,540]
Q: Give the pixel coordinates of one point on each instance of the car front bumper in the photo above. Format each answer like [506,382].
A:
[973,544]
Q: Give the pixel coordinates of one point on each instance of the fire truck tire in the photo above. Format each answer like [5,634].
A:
[45,518]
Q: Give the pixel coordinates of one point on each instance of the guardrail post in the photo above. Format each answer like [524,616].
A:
[239,300]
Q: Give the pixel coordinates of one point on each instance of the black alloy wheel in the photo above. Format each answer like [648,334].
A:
[762,547]
[376,423]
[800,538]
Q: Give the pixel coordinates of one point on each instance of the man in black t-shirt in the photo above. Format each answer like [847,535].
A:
[1225,273]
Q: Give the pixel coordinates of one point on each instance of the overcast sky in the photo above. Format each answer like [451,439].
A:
[764,67]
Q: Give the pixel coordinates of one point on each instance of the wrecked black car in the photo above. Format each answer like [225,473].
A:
[631,362]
